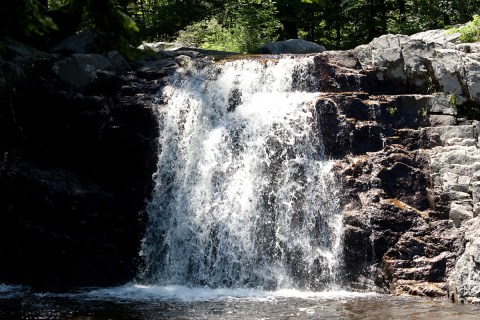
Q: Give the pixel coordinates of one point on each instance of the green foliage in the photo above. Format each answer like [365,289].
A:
[423,112]
[392,111]
[23,20]
[254,23]
[453,99]
[56,4]
[470,32]
[163,19]
[430,86]
[115,28]
[207,34]
[27,21]
[401,24]
[244,26]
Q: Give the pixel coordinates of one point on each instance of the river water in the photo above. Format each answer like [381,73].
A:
[175,302]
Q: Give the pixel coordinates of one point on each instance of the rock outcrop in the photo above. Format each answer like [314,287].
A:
[78,150]
[402,126]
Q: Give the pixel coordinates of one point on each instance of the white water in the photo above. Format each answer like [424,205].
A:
[244,197]
[187,294]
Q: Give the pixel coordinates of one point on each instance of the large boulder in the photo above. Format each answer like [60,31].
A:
[19,58]
[82,42]
[80,70]
[295,46]
[427,62]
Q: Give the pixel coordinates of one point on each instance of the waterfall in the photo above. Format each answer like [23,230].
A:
[244,197]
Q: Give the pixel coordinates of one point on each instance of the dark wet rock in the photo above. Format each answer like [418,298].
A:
[83,42]
[423,258]
[156,69]
[405,183]
[80,70]
[75,171]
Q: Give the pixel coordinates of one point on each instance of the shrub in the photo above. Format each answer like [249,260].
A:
[207,34]
[469,32]
[244,26]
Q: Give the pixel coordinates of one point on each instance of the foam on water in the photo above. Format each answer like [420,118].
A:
[7,288]
[8,291]
[182,293]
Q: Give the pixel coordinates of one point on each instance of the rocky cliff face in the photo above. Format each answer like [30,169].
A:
[78,150]
[397,115]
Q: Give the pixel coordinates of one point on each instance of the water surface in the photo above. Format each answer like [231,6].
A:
[176,302]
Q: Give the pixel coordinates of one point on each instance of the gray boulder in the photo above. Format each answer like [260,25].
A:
[80,70]
[83,42]
[18,60]
[295,46]
[438,36]
[428,61]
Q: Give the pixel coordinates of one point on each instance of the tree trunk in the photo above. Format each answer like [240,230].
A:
[288,17]
[290,30]
[372,30]
[402,10]
[43,5]
[383,13]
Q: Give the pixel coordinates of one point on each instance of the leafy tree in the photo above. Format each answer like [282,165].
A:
[470,32]
[56,4]
[30,20]
[163,19]
[23,20]
[239,25]
[243,26]
[208,34]
[115,28]
[253,23]
[289,16]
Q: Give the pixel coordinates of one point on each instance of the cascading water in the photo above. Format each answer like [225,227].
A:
[244,197]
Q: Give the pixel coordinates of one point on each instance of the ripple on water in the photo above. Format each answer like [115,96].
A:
[177,302]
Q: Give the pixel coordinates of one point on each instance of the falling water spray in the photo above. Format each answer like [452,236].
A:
[244,197]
